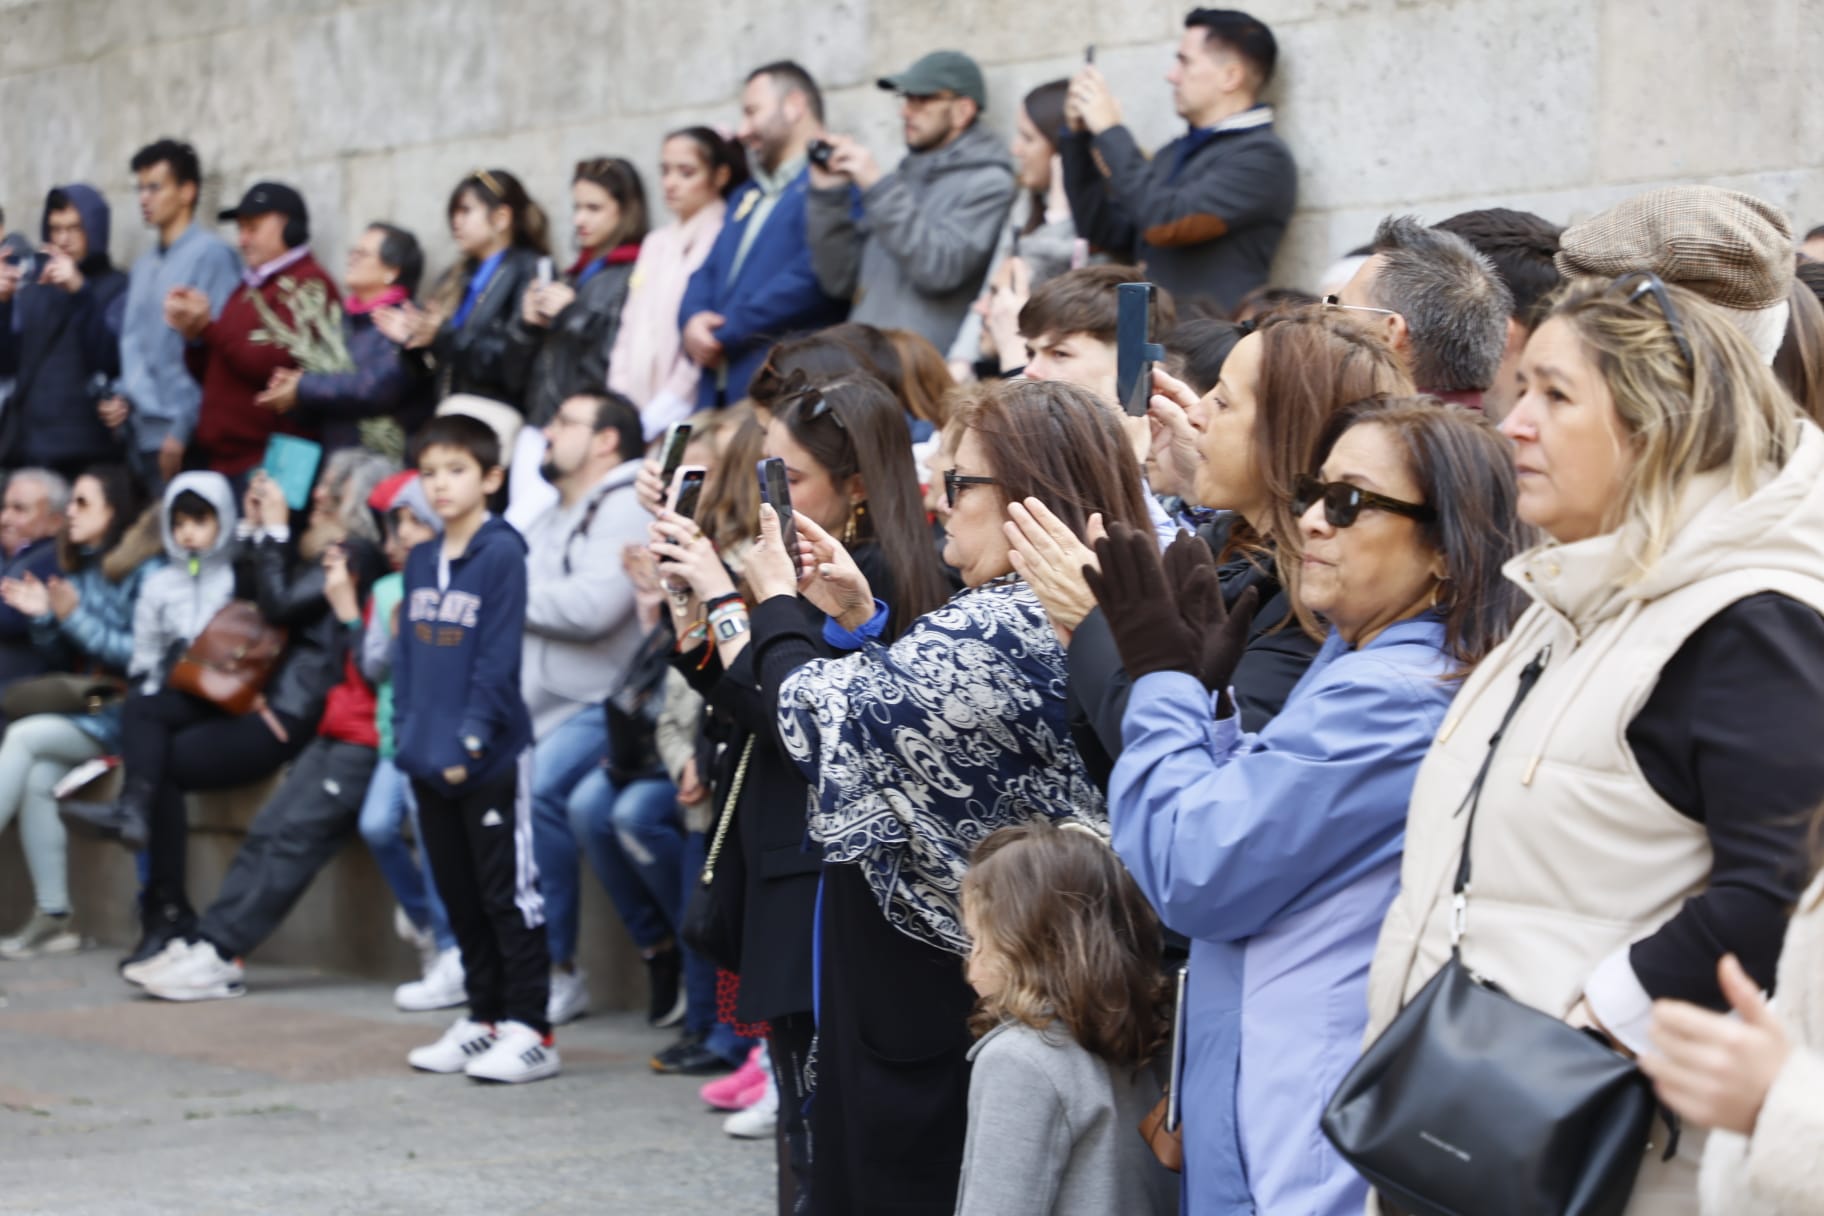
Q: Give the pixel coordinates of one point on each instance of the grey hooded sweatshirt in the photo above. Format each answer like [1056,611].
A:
[911,251]
[181,597]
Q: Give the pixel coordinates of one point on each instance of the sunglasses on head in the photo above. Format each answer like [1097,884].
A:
[1645,283]
[1343,502]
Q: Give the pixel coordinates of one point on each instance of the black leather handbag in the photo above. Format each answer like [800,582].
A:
[1471,1102]
[714,915]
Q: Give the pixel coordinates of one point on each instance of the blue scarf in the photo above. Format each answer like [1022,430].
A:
[917,751]
[478,283]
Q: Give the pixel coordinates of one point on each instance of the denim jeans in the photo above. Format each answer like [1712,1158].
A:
[635,843]
[700,974]
[389,800]
[560,761]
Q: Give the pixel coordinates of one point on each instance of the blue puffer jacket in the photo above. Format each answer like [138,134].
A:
[98,636]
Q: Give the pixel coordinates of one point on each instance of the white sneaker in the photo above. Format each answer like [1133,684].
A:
[569,998]
[175,951]
[519,1053]
[461,1043]
[441,988]
[757,1121]
[198,974]
[42,934]
[421,940]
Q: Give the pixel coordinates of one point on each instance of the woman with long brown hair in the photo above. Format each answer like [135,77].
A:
[848,461]
[918,744]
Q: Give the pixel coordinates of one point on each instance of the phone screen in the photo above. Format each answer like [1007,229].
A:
[687,491]
[676,440]
[777,493]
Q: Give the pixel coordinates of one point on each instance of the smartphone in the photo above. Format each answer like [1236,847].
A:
[1089,53]
[1135,350]
[546,272]
[672,454]
[687,490]
[1174,1114]
[776,492]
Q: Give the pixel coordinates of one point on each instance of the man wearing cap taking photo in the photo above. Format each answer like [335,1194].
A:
[1205,214]
[235,355]
[910,247]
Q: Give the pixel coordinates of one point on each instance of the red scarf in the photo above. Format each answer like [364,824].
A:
[385,299]
[620,255]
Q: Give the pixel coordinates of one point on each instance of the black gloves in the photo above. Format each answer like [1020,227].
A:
[1141,611]
[1223,632]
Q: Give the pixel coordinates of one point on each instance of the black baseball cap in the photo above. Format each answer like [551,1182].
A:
[265,198]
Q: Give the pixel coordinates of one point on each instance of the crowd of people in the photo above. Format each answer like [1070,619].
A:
[1039,763]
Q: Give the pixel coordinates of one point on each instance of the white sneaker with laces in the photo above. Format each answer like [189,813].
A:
[421,940]
[519,1054]
[441,988]
[175,951]
[198,974]
[461,1043]
[43,934]
[569,999]
[757,1121]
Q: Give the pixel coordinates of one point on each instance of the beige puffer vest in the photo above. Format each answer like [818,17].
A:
[1574,854]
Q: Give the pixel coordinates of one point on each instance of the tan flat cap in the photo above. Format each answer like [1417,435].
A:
[1732,248]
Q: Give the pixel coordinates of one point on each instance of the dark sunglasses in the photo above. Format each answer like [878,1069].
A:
[954,481]
[1646,283]
[1343,502]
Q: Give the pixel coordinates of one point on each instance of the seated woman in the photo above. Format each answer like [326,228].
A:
[174,743]
[1647,809]
[915,751]
[85,620]
[1277,852]
[377,401]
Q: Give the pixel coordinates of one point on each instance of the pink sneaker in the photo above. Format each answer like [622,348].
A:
[732,1091]
[753,1094]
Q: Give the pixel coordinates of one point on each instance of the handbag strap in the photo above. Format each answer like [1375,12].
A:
[1459,901]
[728,812]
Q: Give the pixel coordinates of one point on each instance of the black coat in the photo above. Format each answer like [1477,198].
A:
[474,358]
[1278,653]
[289,592]
[571,354]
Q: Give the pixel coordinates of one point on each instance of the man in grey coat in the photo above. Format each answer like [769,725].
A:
[910,247]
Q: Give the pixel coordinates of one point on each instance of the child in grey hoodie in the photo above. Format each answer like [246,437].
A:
[180,598]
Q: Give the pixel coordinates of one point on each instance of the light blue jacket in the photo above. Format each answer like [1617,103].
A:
[1277,854]
[153,375]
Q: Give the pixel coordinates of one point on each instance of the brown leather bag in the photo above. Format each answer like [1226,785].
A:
[231,659]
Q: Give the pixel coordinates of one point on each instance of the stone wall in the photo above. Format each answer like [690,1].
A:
[374,108]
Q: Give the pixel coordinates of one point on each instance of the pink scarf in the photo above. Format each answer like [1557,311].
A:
[356,307]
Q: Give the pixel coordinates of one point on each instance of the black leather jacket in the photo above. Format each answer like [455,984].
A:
[289,592]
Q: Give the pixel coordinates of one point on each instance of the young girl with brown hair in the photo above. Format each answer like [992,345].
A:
[1064,954]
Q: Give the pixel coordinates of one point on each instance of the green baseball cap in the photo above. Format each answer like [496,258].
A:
[941,72]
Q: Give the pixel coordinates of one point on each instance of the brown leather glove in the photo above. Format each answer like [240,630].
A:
[1142,614]
[1222,632]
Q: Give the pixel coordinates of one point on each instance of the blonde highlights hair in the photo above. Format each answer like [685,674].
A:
[1719,408]
[1073,940]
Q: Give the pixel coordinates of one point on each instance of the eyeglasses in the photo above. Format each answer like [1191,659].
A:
[1651,284]
[1343,502]
[954,481]
[1336,301]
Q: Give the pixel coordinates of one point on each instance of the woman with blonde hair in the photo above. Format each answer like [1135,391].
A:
[1645,809]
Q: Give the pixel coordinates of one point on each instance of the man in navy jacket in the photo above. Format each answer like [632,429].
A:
[757,287]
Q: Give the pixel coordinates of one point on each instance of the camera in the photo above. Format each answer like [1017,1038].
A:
[820,151]
[30,265]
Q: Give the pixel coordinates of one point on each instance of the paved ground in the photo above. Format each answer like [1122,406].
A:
[297,1098]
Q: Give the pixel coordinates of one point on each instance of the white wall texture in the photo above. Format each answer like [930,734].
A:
[374,108]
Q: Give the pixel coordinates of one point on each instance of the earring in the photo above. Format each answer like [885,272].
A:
[1437,595]
[852,529]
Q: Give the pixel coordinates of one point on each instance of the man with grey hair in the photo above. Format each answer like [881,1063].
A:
[31,509]
[1441,305]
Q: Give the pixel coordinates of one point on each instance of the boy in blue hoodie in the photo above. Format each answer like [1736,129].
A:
[464,737]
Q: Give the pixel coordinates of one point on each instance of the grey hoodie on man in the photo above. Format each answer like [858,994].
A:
[181,597]
[912,250]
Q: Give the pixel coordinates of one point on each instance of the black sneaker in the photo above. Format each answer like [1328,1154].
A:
[695,1060]
[665,1002]
[666,1061]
